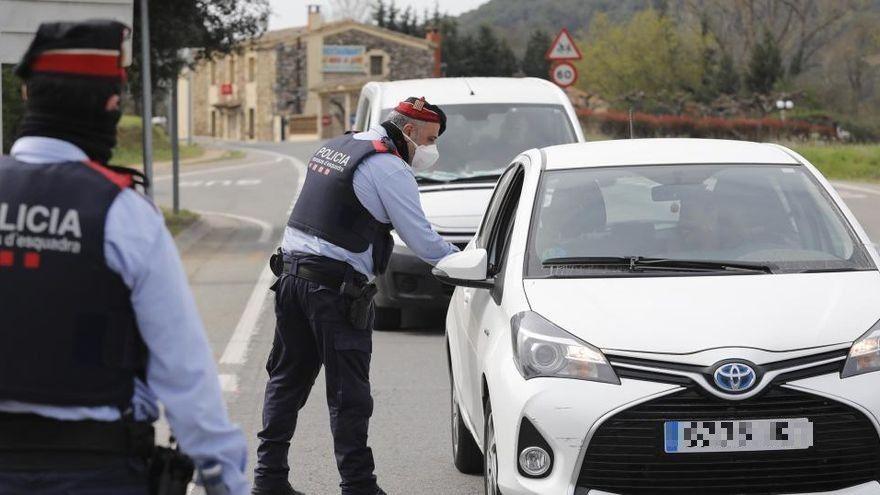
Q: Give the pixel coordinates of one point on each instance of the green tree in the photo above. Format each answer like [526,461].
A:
[13,107]
[380,13]
[765,66]
[534,64]
[646,55]
[212,27]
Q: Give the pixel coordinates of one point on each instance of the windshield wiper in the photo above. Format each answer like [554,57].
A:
[428,180]
[638,263]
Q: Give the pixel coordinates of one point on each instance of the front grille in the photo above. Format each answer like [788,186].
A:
[626,454]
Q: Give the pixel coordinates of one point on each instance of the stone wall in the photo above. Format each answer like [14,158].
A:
[291,77]
[406,61]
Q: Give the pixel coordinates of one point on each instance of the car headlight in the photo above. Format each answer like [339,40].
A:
[541,348]
[864,355]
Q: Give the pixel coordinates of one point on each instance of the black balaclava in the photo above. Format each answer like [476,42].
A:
[71,70]
[73,111]
[396,136]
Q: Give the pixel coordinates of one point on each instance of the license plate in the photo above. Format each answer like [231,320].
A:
[683,437]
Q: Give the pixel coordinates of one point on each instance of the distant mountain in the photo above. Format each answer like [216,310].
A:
[517,18]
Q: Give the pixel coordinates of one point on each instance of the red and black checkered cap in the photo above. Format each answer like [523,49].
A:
[420,109]
[91,49]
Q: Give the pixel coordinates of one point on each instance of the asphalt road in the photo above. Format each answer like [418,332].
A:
[244,205]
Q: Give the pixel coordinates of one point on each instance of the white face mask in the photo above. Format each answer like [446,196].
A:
[424,157]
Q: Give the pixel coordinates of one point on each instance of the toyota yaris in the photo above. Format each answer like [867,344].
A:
[666,316]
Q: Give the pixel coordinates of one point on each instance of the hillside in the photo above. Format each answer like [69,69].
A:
[517,18]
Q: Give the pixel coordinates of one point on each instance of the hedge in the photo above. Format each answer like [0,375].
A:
[616,124]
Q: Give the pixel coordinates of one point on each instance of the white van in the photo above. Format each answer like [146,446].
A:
[489,121]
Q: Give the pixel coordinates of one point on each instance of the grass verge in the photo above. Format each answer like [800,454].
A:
[129,148]
[177,223]
[855,162]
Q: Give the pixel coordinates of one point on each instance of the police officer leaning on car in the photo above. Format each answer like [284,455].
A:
[357,188]
[98,323]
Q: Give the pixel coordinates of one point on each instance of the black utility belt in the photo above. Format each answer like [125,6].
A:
[34,433]
[334,275]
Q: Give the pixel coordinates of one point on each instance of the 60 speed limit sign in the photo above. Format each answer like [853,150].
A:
[564,74]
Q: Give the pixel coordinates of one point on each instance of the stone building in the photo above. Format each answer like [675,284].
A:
[300,82]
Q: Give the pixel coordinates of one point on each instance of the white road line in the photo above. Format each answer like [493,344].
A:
[265,227]
[217,169]
[236,349]
[861,189]
[228,382]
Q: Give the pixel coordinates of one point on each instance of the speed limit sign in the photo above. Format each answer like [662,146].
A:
[564,74]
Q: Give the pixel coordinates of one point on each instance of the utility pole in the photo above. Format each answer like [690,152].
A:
[146,80]
[175,149]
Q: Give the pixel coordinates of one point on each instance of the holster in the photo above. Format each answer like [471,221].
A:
[170,471]
[360,308]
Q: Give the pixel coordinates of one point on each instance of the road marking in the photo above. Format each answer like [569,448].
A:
[215,170]
[265,227]
[848,195]
[221,183]
[861,189]
[236,349]
[228,382]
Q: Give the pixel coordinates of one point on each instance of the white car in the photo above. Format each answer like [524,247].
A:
[490,120]
[666,316]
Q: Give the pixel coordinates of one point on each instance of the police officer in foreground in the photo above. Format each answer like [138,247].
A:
[98,323]
[357,188]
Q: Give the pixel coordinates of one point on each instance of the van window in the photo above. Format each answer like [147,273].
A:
[361,122]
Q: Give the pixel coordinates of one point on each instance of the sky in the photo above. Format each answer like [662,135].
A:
[287,13]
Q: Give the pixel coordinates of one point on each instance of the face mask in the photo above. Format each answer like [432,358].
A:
[424,157]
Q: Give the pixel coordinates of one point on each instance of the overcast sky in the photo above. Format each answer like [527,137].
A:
[287,13]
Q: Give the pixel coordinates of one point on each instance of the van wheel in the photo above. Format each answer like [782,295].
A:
[386,318]
[466,454]
[490,454]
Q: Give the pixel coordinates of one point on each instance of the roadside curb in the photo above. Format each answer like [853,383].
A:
[189,236]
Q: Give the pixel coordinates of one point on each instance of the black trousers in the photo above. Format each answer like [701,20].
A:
[117,477]
[313,330]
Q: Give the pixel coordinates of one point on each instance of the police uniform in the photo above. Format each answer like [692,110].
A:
[99,325]
[357,188]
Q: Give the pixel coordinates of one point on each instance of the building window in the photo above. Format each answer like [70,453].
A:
[213,72]
[252,69]
[213,123]
[251,122]
[376,65]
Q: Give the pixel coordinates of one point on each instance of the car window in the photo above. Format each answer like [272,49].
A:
[493,207]
[776,215]
[363,113]
[502,228]
[481,139]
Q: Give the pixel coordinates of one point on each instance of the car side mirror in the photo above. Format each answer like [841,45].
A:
[467,268]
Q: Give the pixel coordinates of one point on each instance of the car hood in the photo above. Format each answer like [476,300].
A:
[691,314]
[456,208]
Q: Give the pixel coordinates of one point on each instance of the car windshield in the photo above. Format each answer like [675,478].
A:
[481,139]
[649,220]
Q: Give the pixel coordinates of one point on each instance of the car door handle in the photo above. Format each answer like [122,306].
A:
[486,331]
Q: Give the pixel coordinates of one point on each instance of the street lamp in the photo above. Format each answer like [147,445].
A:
[784,105]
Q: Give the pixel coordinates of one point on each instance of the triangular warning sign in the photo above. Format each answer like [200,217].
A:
[563,48]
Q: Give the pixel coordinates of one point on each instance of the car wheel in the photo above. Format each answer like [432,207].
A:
[387,318]
[490,454]
[466,454]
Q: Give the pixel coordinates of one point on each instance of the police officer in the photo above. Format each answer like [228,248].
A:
[357,188]
[98,323]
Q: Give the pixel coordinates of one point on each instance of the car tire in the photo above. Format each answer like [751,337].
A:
[466,454]
[490,454]
[386,318]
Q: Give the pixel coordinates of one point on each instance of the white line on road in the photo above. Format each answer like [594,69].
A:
[228,382]
[218,169]
[236,349]
[861,189]
[265,227]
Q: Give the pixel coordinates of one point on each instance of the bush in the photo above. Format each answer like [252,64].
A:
[616,124]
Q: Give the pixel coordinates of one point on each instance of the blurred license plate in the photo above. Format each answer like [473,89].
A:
[683,437]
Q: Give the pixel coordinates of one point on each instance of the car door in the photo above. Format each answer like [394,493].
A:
[484,314]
